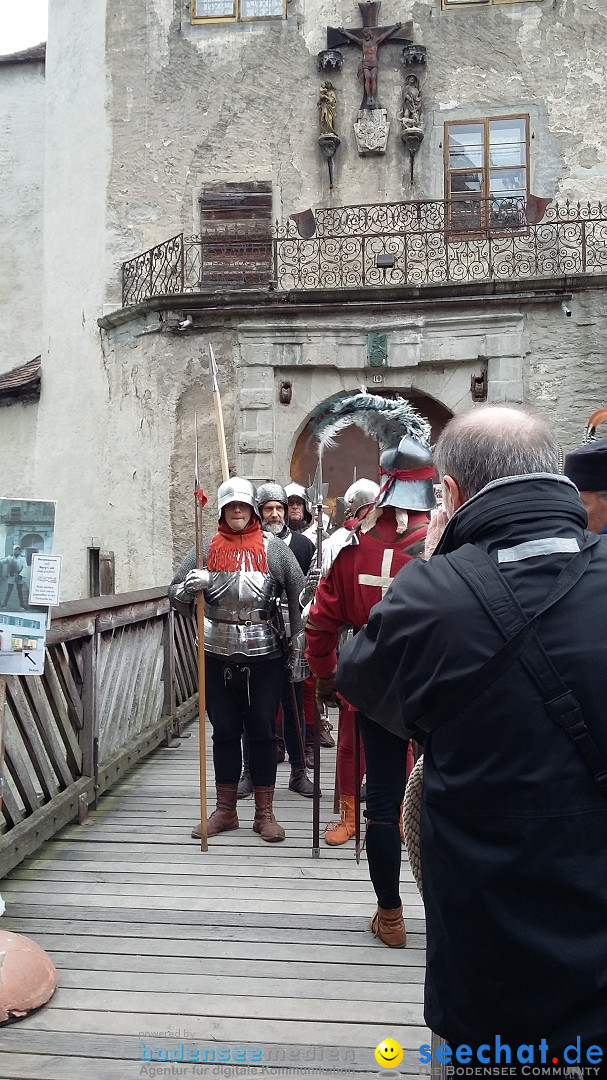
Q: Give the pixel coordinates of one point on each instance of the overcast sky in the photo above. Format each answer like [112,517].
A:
[22,24]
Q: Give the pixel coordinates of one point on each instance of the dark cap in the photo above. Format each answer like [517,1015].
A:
[587,466]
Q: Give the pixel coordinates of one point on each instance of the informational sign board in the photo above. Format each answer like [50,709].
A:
[45,577]
[27,529]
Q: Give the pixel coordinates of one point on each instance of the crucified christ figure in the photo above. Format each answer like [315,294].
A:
[369,39]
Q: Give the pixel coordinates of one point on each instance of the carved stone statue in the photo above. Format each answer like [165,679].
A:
[410,118]
[411,115]
[327,105]
[328,139]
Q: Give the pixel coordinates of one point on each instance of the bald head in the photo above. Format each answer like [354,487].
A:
[491,442]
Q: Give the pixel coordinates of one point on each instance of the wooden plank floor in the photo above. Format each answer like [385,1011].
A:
[256,955]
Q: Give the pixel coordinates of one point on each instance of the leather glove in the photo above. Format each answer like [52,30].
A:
[325,690]
[196,581]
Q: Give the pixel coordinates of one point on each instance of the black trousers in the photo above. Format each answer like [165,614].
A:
[243,697]
[293,741]
[386,759]
[289,723]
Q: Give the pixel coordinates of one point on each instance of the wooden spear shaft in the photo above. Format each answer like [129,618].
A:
[202,742]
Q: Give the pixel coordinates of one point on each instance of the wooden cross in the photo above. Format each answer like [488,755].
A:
[369,37]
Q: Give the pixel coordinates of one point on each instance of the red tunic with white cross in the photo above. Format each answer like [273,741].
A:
[358,579]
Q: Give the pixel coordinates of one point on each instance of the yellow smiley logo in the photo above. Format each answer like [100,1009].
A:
[389,1053]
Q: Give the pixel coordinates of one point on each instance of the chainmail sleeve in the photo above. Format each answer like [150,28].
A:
[184,607]
[285,569]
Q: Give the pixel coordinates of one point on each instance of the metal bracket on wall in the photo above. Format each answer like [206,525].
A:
[479,386]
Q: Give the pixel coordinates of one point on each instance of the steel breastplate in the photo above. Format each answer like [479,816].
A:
[240,615]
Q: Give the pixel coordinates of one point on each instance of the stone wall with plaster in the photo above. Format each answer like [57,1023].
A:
[22,101]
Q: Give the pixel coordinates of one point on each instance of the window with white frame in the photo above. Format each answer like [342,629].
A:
[204,11]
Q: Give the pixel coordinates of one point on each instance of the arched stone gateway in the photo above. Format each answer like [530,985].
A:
[354,449]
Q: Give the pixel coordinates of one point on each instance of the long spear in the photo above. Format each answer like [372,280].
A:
[317,494]
[221,435]
[199,503]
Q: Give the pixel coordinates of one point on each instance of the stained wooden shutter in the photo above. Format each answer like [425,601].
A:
[236,224]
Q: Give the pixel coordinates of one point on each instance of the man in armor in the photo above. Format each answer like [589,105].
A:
[357,499]
[299,514]
[246,573]
[358,569]
[299,520]
[272,503]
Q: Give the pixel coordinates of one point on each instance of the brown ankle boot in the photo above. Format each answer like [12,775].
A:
[388,925]
[224,817]
[339,832]
[264,821]
[326,739]
[298,781]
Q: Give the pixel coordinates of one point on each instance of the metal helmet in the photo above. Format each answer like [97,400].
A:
[361,493]
[271,492]
[299,492]
[236,489]
[416,492]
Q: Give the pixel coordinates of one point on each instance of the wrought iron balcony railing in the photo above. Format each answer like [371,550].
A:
[397,244]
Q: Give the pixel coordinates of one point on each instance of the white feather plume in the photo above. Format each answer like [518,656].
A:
[387,420]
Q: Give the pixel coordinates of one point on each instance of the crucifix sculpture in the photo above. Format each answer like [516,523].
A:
[369,37]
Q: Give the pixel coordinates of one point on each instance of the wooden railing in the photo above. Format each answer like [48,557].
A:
[120,677]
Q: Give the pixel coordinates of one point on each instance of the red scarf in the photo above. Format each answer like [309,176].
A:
[233,551]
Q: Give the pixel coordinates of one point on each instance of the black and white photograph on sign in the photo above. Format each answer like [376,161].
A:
[26,528]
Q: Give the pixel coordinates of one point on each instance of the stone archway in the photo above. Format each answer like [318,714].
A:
[354,449]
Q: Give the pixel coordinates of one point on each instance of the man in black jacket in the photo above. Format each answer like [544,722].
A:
[514,817]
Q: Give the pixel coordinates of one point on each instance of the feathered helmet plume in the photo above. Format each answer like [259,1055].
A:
[404,441]
[385,420]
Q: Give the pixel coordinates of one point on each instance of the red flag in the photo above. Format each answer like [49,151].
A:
[200,495]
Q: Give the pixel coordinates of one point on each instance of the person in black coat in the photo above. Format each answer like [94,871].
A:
[514,813]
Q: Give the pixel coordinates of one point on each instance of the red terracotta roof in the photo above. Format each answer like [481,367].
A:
[21,383]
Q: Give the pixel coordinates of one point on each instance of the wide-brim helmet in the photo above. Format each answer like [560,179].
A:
[407,490]
[361,493]
[271,492]
[236,489]
[299,492]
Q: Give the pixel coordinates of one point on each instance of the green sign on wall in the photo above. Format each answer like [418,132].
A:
[377,350]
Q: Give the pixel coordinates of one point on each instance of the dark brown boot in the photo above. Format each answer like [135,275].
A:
[299,782]
[224,817]
[264,821]
[326,739]
[388,925]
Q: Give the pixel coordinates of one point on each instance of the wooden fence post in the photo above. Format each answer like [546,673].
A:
[89,736]
[168,673]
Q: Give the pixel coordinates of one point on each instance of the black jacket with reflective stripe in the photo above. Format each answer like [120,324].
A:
[514,828]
